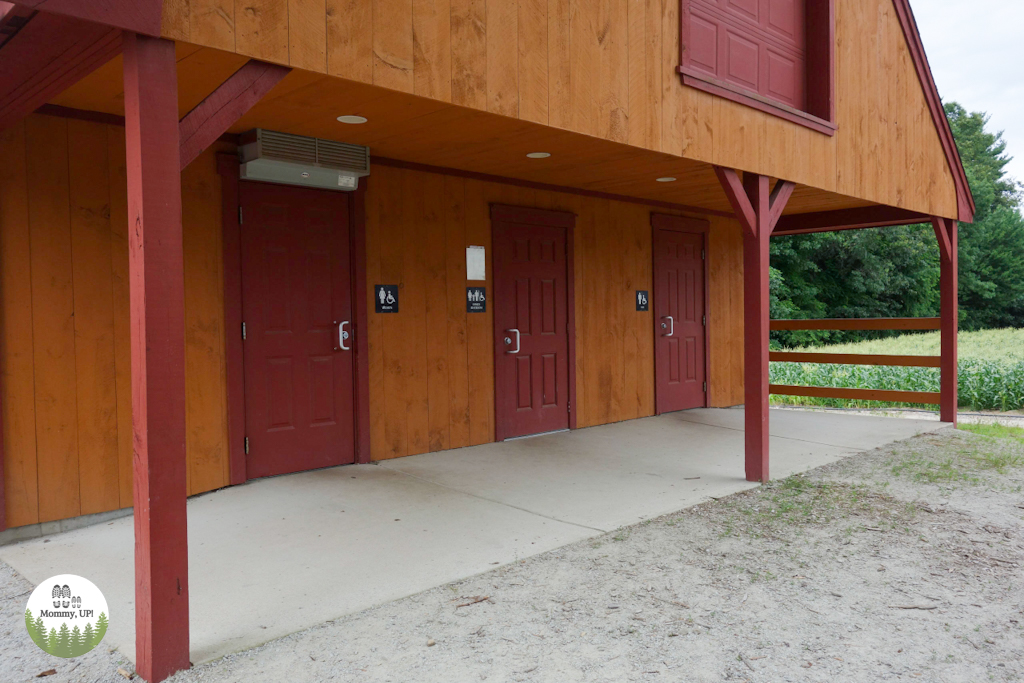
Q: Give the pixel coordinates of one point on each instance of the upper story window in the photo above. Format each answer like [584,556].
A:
[775,55]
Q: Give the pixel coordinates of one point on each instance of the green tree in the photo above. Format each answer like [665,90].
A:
[33,631]
[52,642]
[76,646]
[87,636]
[64,641]
[101,628]
[41,630]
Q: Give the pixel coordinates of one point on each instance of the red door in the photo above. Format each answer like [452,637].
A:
[296,293]
[679,320]
[531,320]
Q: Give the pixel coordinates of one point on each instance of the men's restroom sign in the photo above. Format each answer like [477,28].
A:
[385,298]
[476,299]
[643,302]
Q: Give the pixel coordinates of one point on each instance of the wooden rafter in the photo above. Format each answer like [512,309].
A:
[225,105]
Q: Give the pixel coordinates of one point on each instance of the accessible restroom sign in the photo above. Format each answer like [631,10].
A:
[385,298]
[476,299]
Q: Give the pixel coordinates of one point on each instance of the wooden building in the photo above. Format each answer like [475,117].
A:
[565,223]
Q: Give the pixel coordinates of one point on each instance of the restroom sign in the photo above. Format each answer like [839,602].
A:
[643,301]
[476,299]
[385,298]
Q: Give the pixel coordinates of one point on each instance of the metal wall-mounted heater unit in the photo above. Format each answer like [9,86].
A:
[287,159]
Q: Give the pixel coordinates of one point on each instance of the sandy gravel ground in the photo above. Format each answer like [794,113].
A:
[905,563]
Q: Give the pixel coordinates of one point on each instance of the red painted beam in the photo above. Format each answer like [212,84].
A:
[202,126]
[946,232]
[46,56]
[141,16]
[848,219]
[157,286]
[758,209]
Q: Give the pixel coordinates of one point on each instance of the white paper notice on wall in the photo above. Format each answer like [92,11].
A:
[476,263]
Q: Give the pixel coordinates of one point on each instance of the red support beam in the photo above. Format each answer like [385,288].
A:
[946,233]
[224,106]
[141,16]
[848,219]
[47,55]
[758,209]
[157,288]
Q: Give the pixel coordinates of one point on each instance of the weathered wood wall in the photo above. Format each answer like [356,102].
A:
[64,343]
[607,68]
[432,364]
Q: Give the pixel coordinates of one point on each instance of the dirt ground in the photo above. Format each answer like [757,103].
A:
[904,563]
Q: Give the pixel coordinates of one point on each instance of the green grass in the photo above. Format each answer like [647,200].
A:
[991,369]
[996,431]
[967,462]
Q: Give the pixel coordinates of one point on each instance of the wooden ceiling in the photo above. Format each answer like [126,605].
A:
[416,129]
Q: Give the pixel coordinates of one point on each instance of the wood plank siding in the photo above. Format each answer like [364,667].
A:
[64,321]
[64,315]
[432,366]
[607,68]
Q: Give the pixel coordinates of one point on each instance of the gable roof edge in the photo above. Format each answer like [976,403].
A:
[964,198]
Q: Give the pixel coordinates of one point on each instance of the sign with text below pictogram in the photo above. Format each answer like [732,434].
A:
[385,298]
[476,299]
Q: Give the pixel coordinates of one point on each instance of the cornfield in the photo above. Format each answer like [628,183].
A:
[991,369]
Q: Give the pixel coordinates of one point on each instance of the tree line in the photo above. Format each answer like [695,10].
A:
[894,272]
[66,642]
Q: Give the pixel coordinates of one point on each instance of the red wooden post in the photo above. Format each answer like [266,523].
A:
[157,286]
[758,212]
[946,232]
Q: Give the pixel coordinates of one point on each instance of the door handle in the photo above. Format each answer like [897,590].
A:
[671,325]
[508,342]
[342,336]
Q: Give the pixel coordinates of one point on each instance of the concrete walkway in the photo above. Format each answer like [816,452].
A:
[279,555]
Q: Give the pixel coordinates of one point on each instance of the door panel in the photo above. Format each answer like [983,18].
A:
[296,286]
[531,296]
[679,316]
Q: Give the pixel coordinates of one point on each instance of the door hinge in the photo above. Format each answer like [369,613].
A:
[247,445]
[705,319]
[239,215]
[705,391]
[243,330]
[701,251]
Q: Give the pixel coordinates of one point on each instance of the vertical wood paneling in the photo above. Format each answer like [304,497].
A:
[458,342]
[480,326]
[533,60]
[206,419]
[212,23]
[64,321]
[613,93]
[639,105]
[93,316]
[502,57]
[393,44]
[307,34]
[725,312]
[350,39]
[433,226]
[584,62]
[432,52]
[53,318]
[261,29]
[16,334]
[174,22]
[469,53]
[118,175]
[420,223]
[559,63]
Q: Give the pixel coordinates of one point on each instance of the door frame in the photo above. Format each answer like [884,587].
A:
[661,221]
[228,169]
[552,219]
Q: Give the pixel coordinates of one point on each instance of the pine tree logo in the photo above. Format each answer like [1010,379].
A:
[66,616]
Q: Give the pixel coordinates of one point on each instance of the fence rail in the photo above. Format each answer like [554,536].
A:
[856,359]
[857,324]
[926,397]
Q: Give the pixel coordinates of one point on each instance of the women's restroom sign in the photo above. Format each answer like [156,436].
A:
[643,303]
[385,298]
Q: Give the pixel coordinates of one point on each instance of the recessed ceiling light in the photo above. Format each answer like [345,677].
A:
[667,179]
[352,118]
[538,155]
